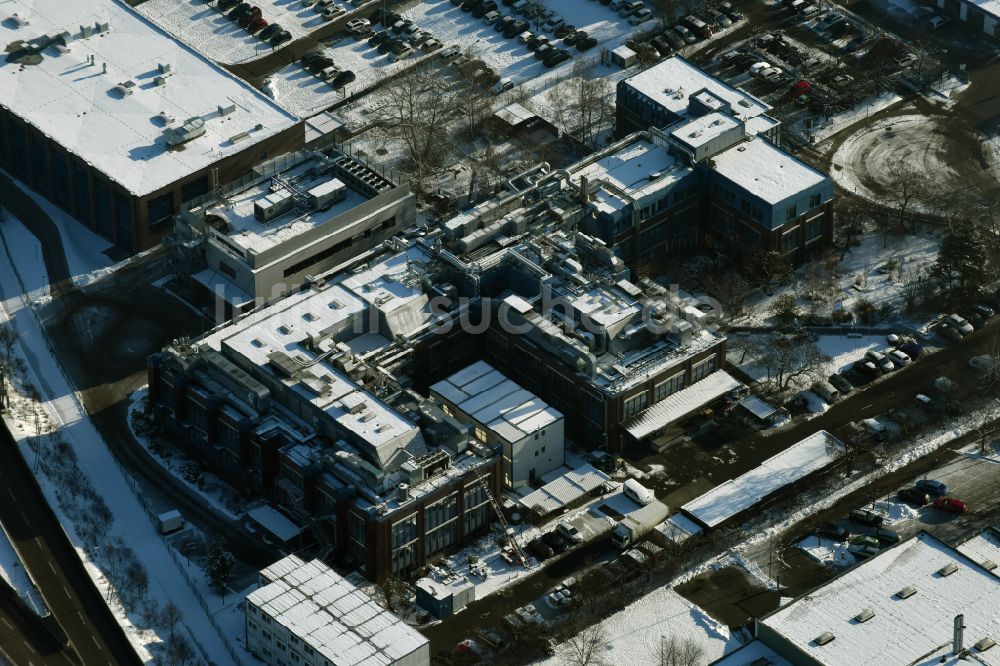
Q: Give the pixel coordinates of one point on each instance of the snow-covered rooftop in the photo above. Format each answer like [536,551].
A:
[564,490]
[671,83]
[496,402]
[638,169]
[736,495]
[335,618]
[120,129]
[984,549]
[696,132]
[784,176]
[907,630]
[274,522]
[991,7]
[754,653]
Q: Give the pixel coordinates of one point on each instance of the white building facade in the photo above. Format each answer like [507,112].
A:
[531,432]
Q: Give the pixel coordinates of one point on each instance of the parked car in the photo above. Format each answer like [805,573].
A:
[866,517]
[885,535]
[673,39]
[959,324]
[555,542]
[758,67]
[912,349]
[866,368]
[834,531]
[932,487]
[697,26]
[685,34]
[730,11]
[719,19]
[556,57]
[914,496]
[950,504]
[771,74]
[863,552]
[926,402]
[982,363]
[840,383]
[898,358]
[567,530]
[280,37]
[949,332]
[880,360]
[450,53]
[984,311]
[343,78]
[503,85]
[266,33]
[826,391]
[586,43]
[540,549]
[865,540]
[641,16]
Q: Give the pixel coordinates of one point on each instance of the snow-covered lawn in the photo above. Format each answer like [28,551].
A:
[14,574]
[633,635]
[204,28]
[96,502]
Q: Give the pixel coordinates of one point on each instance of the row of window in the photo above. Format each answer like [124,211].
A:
[334,249]
[668,386]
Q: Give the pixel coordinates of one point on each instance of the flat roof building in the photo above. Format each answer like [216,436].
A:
[118,123]
[307,610]
[897,608]
[530,432]
[296,216]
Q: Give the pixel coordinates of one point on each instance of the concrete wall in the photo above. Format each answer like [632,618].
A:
[534,455]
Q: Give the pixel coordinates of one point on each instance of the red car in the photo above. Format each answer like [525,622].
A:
[950,505]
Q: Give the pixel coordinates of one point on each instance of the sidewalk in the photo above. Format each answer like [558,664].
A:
[130,522]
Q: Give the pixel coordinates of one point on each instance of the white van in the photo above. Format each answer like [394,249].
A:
[637,492]
[877,430]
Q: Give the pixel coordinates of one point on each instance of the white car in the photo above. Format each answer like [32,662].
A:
[770,73]
[898,358]
[938,22]
[503,85]
[959,324]
[569,531]
[758,67]
[880,360]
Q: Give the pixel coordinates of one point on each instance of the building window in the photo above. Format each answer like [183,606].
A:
[635,404]
[814,228]
[668,386]
[703,369]
[226,269]
[356,536]
[480,434]
[404,544]
[815,200]
[477,508]
[790,213]
[745,206]
[441,524]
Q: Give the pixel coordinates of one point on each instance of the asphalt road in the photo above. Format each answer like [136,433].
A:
[94,635]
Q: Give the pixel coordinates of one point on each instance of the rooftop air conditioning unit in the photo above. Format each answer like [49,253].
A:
[125,88]
[18,21]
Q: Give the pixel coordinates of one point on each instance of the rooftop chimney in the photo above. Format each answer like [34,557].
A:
[959,634]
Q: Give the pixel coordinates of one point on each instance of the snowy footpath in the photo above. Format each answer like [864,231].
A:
[129,522]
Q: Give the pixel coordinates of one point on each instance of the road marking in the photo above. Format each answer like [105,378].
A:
[867,406]
[28,645]
[94,638]
[68,595]
[24,517]
[53,568]
[9,625]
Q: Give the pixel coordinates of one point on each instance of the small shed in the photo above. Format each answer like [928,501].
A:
[623,56]
[759,409]
[516,119]
[442,599]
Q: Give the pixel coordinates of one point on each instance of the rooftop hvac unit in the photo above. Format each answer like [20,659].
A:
[125,88]
[227,110]
[18,21]
[165,68]
[191,129]
[85,30]
[160,81]
[163,118]
[403,492]
[102,27]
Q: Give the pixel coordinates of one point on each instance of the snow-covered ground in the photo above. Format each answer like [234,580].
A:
[94,485]
[14,574]
[301,92]
[204,28]
[633,635]
[826,551]
[833,125]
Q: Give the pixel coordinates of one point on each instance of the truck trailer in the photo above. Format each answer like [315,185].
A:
[639,523]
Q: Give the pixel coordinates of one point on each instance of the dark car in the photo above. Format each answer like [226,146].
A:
[914,496]
[555,57]
[503,23]
[586,43]
[662,45]
[984,311]
[673,39]
[555,542]
[840,383]
[866,368]
[225,5]
[834,531]
[912,349]
[266,33]
[379,37]
[280,37]
[866,517]
[515,28]
[343,78]
[540,549]
[544,50]
[730,11]
[932,487]
[565,29]
[885,535]
[240,11]
[536,42]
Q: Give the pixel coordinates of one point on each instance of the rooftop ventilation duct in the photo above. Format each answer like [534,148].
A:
[906,592]
[824,638]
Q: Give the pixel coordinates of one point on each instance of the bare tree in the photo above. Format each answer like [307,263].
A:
[789,357]
[906,185]
[171,616]
[415,110]
[673,651]
[584,649]
[392,592]
[7,340]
